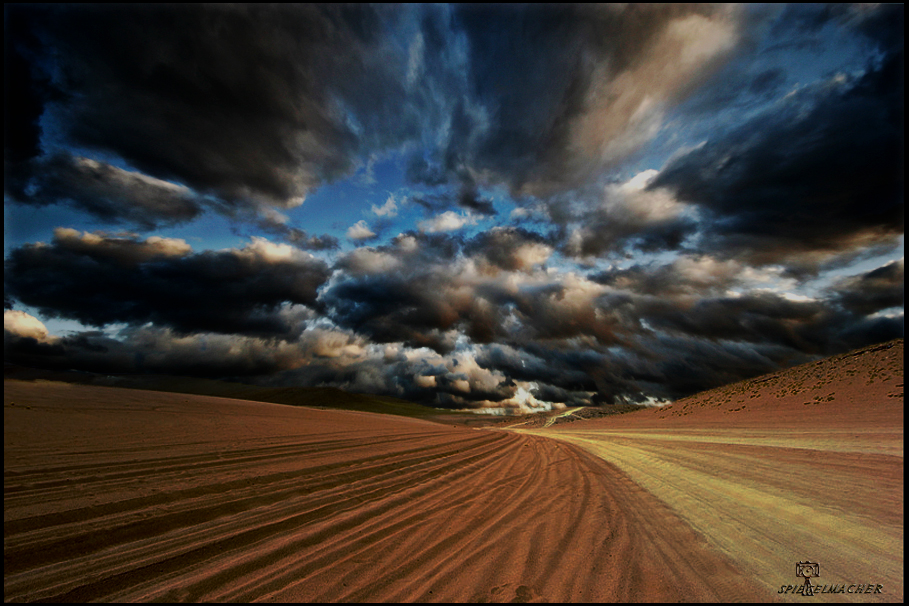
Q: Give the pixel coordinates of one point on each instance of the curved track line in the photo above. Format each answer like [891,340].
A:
[768,506]
[354,508]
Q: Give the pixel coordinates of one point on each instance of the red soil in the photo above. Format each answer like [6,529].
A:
[113,494]
[127,495]
[804,464]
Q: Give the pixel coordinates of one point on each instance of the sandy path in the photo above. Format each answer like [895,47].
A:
[806,464]
[134,496]
[768,506]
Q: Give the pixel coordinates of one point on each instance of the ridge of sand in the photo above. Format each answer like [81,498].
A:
[124,495]
[113,494]
[804,464]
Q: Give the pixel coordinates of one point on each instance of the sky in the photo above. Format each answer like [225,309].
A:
[501,208]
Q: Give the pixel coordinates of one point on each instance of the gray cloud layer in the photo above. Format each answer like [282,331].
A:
[99,280]
[604,285]
[559,331]
[260,105]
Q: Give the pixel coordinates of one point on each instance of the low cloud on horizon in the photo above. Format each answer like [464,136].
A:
[502,208]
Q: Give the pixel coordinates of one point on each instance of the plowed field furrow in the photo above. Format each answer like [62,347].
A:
[770,506]
[212,503]
[305,478]
[159,463]
[151,498]
[375,532]
[19,483]
[244,531]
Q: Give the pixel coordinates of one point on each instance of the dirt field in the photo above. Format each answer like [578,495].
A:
[803,465]
[114,494]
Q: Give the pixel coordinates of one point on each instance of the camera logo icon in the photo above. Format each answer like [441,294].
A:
[807,571]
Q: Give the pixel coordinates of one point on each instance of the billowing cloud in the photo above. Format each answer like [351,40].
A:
[360,231]
[447,221]
[99,279]
[632,216]
[25,337]
[215,89]
[111,194]
[820,171]
[252,106]
[22,324]
[510,208]
[563,91]
[510,248]
[877,290]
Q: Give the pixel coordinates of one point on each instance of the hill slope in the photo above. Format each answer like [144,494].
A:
[860,386]
[805,463]
[322,397]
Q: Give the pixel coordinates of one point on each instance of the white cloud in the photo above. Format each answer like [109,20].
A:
[425,381]
[273,217]
[152,246]
[447,221]
[271,252]
[389,209]
[626,109]
[461,385]
[24,325]
[360,231]
[128,177]
[366,260]
[334,344]
[632,202]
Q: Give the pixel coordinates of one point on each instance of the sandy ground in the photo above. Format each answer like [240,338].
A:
[114,494]
[806,464]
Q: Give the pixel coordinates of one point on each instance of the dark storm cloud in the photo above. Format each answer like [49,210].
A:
[752,318]
[884,25]
[252,104]
[259,105]
[18,349]
[874,291]
[675,367]
[615,229]
[403,292]
[26,88]
[471,199]
[510,248]
[820,327]
[664,367]
[390,307]
[556,92]
[307,242]
[645,366]
[680,335]
[591,338]
[108,193]
[151,350]
[822,171]
[99,280]
[278,227]
[686,276]
[467,197]
[556,368]
[244,110]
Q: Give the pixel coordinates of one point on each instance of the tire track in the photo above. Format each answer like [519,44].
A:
[355,507]
[767,506]
[198,506]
